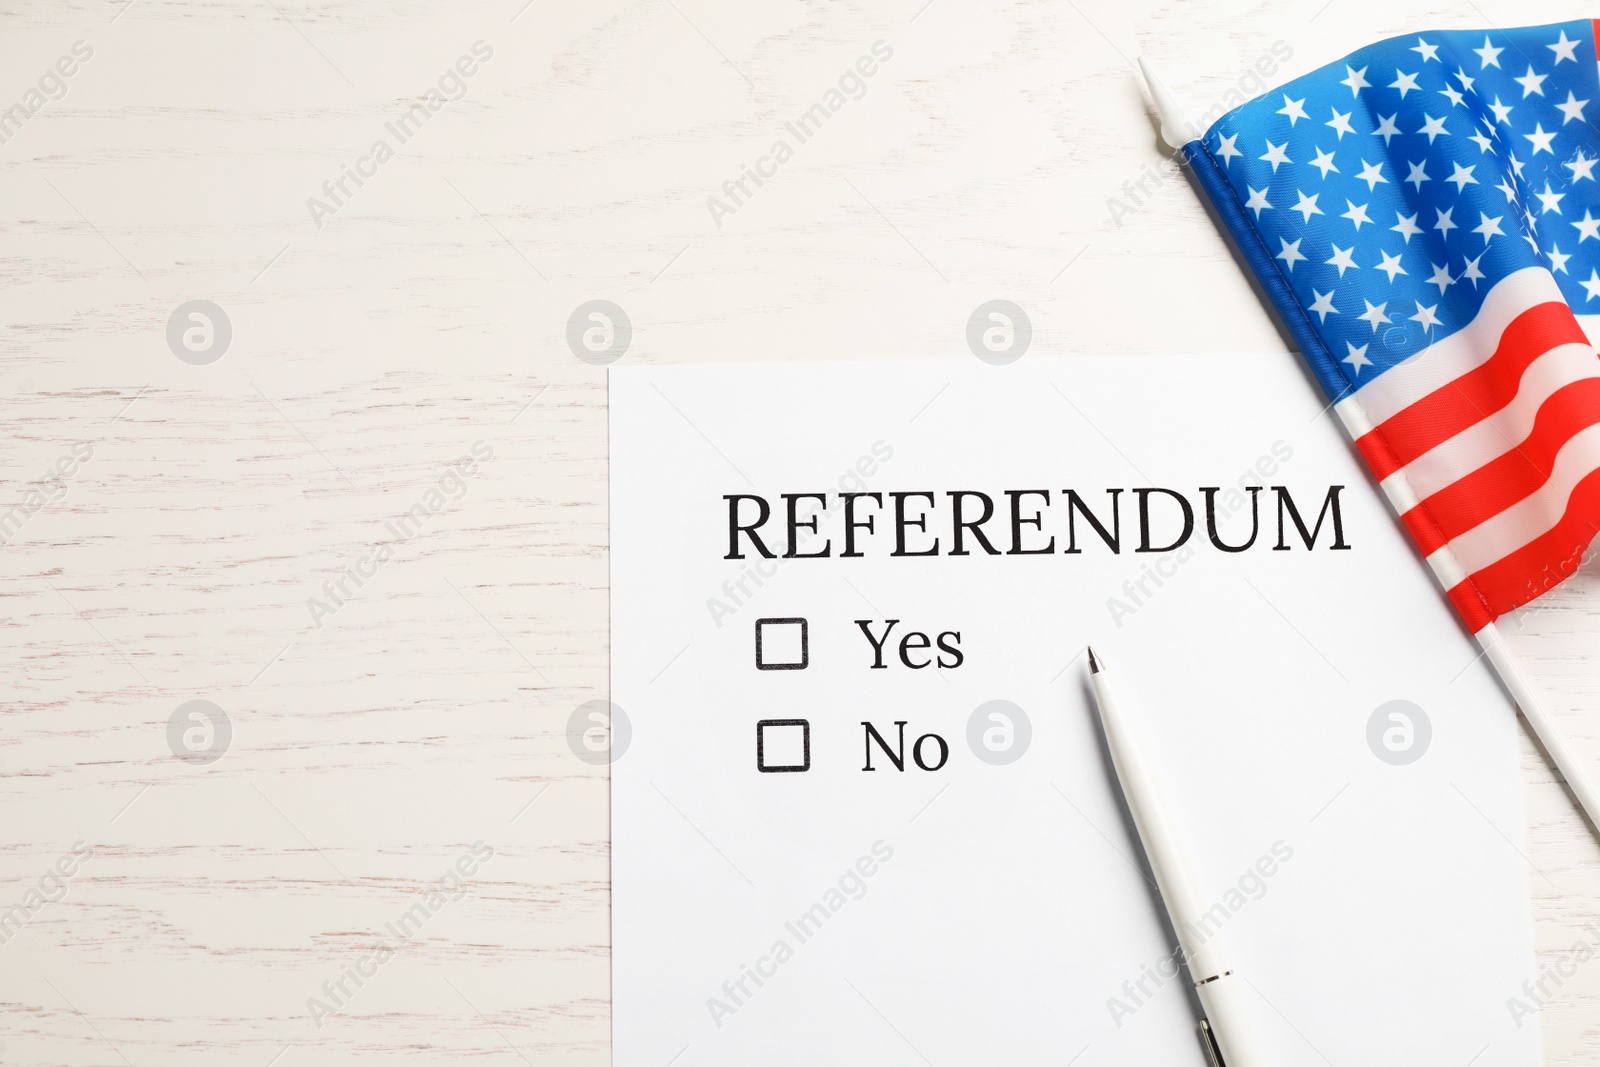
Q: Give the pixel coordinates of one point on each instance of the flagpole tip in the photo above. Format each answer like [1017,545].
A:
[1176,128]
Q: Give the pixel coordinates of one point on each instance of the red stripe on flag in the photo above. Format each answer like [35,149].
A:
[1516,474]
[1541,564]
[1473,612]
[1375,450]
[1594,25]
[1424,532]
[1475,395]
[1515,517]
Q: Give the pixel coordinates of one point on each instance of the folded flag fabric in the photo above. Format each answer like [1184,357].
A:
[1423,214]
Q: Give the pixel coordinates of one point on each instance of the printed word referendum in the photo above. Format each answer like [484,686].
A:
[1022,522]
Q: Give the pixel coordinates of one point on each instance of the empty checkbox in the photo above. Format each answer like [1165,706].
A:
[783,745]
[781,645]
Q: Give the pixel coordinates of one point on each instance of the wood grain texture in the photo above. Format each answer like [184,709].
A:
[372,746]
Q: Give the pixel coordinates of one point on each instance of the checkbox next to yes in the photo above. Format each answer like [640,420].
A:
[782,645]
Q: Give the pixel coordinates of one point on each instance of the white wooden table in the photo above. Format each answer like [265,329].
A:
[377,734]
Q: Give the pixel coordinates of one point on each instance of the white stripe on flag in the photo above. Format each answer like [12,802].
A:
[1485,441]
[1463,351]
[1354,417]
[1590,324]
[1447,569]
[1534,515]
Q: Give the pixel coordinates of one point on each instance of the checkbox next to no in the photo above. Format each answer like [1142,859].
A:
[783,745]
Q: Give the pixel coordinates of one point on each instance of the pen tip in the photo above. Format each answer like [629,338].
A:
[1094,662]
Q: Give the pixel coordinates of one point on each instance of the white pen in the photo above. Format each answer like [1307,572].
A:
[1226,1028]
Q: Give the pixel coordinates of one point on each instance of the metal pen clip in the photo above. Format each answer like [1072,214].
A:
[1212,1049]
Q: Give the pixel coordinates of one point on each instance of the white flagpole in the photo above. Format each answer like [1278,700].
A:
[1177,130]
[1544,725]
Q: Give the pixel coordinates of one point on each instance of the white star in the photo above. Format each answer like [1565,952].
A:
[1357,80]
[1390,265]
[1324,163]
[1592,285]
[1433,128]
[1426,50]
[1463,176]
[1508,189]
[1581,166]
[1307,206]
[1454,96]
[1489,54]
[1257,201]
[1466,82]
[1558,261]
[1588,227]
[1502,112]
[1418,174]
[1323,304]
[1291,252]
[1563,49]
[1372,174]
[1343,259]
[1276,154]
[1472,273]
[1357,214]
[1483,143]
[1407,226]
[1226,149]
[1541,141]
[1489,227]
[1426,316]
[1572,109]
[1517,164]
[1442,220]
[1404,82]
[1549,200]
[1341,123]
[1358,356]
[1374,315]
[1295,109]
[1386,128]
[1531,83]
[1441,278]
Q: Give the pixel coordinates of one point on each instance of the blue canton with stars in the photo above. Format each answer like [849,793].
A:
[1392,189]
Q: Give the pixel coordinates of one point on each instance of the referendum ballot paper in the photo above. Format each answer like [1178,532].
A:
[861,810]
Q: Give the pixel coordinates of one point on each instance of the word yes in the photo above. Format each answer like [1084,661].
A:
[914,641]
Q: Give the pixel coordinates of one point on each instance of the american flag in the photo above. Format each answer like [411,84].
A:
[1423,214]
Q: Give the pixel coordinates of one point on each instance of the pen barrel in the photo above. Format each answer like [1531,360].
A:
[1221,992]
[1161,848]
[1222,999]
[1204,959]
